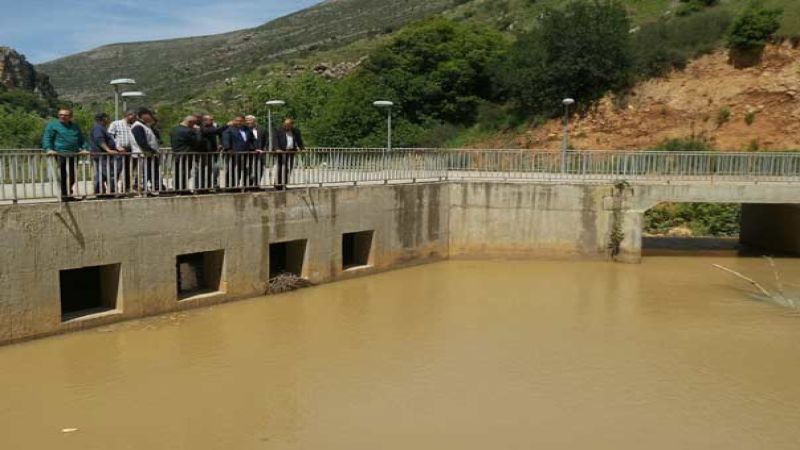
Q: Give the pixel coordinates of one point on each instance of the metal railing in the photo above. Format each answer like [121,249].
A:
[33,175]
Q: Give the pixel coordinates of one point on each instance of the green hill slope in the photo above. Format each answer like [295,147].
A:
[336,30]
[175,68]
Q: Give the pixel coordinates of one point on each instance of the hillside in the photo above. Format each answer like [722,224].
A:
[175,68]
[709,100]
[335,31]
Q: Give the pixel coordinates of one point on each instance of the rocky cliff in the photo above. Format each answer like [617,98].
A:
[17,73]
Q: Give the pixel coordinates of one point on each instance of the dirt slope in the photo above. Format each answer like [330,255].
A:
[691,103]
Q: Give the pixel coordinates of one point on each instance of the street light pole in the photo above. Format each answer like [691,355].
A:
[270,104]
[567,102]
[126,95]
[388,105]
[117,83]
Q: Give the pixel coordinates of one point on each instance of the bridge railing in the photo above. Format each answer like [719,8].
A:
[32,175]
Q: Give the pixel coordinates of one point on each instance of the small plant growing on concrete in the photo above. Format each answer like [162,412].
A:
[617,235]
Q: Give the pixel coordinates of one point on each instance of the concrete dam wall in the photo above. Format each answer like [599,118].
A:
[70,266]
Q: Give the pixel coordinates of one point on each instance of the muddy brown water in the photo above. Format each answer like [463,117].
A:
[670,354]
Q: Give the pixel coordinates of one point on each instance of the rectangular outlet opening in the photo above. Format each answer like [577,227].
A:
[199,273]
[356,249]
[287,258]
[88,291]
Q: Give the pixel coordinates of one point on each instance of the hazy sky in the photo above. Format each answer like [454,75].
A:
[47,29]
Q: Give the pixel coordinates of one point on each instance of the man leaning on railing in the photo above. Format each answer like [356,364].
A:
[63,139]
[107,165]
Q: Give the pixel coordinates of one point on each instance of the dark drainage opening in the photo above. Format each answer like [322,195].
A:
[88,290]
[356,249]
[287,258]
[199,273]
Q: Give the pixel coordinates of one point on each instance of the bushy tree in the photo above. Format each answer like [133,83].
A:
[20,129]
[441,67]
[754,27]
[581,51]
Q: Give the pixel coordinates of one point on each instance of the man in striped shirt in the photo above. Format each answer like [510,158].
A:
[120,131]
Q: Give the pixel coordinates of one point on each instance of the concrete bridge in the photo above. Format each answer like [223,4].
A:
[67,266]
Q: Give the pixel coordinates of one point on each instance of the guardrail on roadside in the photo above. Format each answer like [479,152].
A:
[30,174]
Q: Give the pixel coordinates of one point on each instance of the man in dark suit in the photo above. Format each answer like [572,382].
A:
[238,142]
[185,141]
[261,145]
[288,141]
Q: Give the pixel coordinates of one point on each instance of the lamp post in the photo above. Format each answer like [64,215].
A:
[567,102]
[270,104]
[126,95]
[117,83]
[388,105]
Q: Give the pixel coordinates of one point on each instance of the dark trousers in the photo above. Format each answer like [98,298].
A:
[68,169]
[149,173]
[107,170]
[183,170]
[207,171]
[285,166]
[242,169]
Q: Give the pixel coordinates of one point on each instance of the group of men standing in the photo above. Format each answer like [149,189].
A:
[197,143]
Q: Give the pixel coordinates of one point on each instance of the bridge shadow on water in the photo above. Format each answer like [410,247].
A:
[704,246]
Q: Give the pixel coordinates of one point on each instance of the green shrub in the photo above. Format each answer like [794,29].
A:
[704,219]
[581,51]
[690,144]
[754,27]
[668,44]
[750,118]
[723,116]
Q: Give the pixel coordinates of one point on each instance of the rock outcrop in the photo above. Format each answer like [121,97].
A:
[17,73]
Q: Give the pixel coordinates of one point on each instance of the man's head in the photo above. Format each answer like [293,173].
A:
[208,120]
[65,115]
[146,116]
[130,116]
[238,121]
[189,121]
[288,124]
[102,118]
[251,121]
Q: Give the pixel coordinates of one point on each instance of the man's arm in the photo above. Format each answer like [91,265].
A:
[140,136]
[82,144]
[99,139]
[49,139]
[298,136]
[226,140]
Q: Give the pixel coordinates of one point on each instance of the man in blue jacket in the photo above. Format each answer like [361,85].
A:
[239,143]
[63,139]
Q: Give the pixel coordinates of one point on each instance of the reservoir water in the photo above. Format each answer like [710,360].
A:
[670,354]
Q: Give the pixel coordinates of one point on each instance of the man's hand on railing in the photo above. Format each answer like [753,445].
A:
[84,152]
[51,153]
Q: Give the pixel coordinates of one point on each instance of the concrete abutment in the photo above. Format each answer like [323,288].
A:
[228,246]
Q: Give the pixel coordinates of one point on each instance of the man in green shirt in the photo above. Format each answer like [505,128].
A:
[63,139]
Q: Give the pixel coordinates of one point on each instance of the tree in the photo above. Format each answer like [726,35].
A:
[441,67]
[581,51]
[436,72]
[750,32]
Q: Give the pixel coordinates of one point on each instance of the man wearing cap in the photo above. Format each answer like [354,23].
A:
[62,138]
[103,146]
